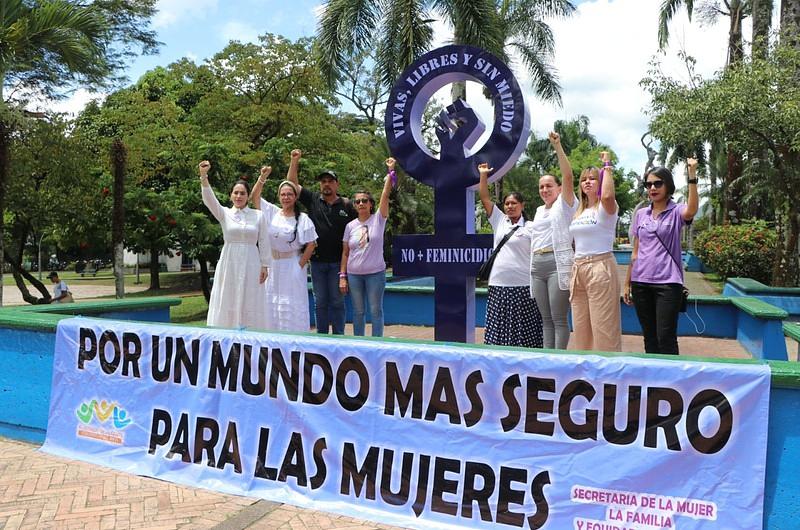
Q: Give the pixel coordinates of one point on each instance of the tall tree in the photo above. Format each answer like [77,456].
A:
[48,44]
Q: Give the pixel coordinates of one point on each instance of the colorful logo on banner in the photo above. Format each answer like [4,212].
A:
[454,253]
[103,421]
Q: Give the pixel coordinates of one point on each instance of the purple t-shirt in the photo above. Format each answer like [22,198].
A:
[365,241]
[654,264]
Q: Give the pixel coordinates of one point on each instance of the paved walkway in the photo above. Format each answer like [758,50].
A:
[40,491]
[80,290]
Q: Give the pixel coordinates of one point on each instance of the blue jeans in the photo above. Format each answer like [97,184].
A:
[328,300]
[367,288]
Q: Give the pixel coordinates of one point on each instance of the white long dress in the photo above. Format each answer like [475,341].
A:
[287,283]
[237,299]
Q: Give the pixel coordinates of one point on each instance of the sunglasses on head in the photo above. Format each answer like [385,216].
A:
[654,184]
[360,201]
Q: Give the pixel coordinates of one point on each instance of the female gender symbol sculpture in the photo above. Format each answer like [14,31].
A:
[453,254]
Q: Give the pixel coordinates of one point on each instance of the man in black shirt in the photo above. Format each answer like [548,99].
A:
[330,214]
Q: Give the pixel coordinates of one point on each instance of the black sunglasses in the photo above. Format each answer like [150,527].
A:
[654,184]
[360,201]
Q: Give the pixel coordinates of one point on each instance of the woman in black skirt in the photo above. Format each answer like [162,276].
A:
[512,318]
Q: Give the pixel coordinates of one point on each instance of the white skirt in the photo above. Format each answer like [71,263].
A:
[236,300]
[287,296]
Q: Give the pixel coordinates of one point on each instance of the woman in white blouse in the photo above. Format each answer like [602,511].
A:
[551,250]
[236,298]
[292,238]
[512,318]
[594,290]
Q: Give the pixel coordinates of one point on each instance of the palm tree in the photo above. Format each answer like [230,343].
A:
[401,31]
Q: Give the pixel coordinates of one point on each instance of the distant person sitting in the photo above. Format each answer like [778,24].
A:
[61,293]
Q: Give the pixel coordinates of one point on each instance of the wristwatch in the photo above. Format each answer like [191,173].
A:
[691,181]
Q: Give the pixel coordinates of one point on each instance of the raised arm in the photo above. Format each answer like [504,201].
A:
[255,195]
[209,199]
[294,168]
[693,200]
[383,205]
[607,197]
[483,188]
[567,178]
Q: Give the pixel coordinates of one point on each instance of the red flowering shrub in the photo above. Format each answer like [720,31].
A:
[745,250]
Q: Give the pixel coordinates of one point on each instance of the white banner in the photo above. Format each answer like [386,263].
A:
[417,435]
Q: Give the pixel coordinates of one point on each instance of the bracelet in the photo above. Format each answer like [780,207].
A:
[691,181]
[342,275]
[262,181]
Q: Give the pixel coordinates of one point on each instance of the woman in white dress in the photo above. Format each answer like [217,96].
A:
[236,299]
[292,238]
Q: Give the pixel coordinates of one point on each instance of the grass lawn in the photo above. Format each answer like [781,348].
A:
[192,311]
[185,285]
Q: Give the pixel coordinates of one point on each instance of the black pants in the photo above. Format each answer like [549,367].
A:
[657,306]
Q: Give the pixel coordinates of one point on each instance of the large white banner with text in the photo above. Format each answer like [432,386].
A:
[417,435]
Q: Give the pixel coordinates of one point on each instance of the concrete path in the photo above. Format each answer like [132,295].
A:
[80,291]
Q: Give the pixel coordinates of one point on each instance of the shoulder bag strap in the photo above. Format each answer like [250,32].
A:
[680,267]
[503,241]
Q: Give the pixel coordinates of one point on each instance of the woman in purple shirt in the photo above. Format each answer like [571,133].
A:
[363,270]
[655,276]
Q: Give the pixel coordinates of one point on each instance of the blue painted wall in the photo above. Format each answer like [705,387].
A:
[788,302]
[782,487]
[27,371]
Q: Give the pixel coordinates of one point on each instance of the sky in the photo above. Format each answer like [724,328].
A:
[602,53]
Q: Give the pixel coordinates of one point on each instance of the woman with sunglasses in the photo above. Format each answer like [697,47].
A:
[292,238]
[654,284]
[594,287]
[363,270]
[512,318]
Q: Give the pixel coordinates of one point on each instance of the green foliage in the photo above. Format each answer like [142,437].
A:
[752,107]
[738,250]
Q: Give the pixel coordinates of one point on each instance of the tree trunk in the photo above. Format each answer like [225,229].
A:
[118,159]
[733,195]
[204,279]
[785,268]
[19,273]
[735,49]
[790,22]
[762,21]
[4,139]
[733,203]
[155,284]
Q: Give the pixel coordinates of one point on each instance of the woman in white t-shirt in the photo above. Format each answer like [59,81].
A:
[512,318]
[594,288]
[551,250]
[363,270]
